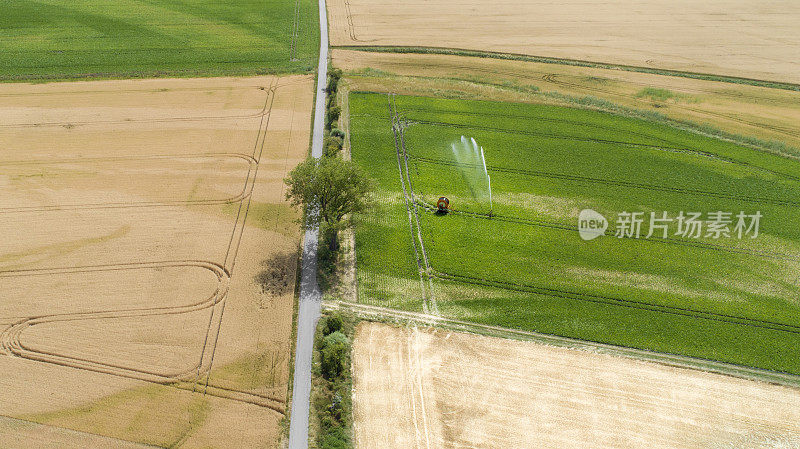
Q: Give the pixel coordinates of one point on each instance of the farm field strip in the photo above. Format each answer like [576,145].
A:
[676,148]
[442,250]
[117,167]
[558,80]
[610,182]
[21,433]
[423,264]
[761,112]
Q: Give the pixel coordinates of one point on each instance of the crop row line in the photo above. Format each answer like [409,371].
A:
[606,141]
[610,182]
[654,239]
[630,303]
[538,119]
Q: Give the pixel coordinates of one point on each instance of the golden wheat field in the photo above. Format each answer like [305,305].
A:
[735,37]
[148,262]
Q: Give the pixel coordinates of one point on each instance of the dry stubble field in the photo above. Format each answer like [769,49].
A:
[739,38]
[147,261]
[417,388]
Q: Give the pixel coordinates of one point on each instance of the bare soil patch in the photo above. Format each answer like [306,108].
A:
[420,388]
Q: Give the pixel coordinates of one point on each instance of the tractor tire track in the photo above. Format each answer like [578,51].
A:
[612,182]
[244,193]
[295,32]
[258,150]
[10,339]
[418,255]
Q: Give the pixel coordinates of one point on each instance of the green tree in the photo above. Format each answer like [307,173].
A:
[331,190]
[332,116]
[334,352]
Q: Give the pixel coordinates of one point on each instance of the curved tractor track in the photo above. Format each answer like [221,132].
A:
[10,339]
[244,193]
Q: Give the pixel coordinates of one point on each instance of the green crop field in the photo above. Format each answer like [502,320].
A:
[62,39]
[519,261]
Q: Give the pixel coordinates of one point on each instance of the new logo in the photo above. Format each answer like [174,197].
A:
[591,224]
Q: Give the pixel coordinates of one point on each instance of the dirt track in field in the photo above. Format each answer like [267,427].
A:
[734,37]
[138,220]
[769,114]
[438,389]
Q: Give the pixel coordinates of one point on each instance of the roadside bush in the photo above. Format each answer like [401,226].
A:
[335,438]
[335,75]
[334,353]
[333,115]
[332,146]
[333,86]
[336,132]
[332,384]
[333,323]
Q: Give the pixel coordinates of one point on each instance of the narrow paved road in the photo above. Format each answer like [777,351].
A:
[310,296]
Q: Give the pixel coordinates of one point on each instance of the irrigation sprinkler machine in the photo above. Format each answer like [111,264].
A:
[471,164]
[443,205]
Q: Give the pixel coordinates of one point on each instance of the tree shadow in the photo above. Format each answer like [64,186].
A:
[278,274]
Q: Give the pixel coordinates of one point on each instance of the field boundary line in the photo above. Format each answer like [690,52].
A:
[565,61]
[404,317]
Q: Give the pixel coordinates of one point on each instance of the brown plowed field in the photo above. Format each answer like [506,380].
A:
[734,37]
[417,388]
[141,222]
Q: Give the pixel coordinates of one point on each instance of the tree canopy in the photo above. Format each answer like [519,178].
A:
[331,188]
